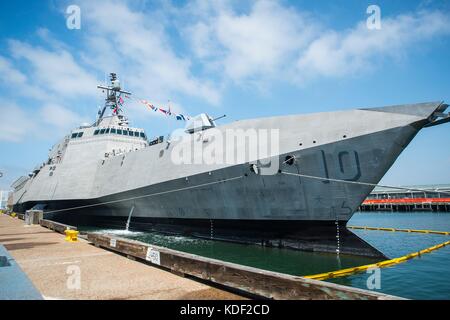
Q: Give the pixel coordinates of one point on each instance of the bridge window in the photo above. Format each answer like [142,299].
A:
[142,135]
[80,134]
[96,132]
[102,131]
[136,134]
[107,131]
[74,135]
[130,133]
[119,131]
[124,132]
[113,130]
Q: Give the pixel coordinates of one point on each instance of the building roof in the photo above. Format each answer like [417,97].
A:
[430,187]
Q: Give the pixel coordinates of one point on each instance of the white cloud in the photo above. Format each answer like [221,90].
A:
[14,79]
[60,117]
[16,123]
[138,43]
[54,71]
[274,42]
[9,74]
[49,121]
[44,80]
[254,44]
[341,53]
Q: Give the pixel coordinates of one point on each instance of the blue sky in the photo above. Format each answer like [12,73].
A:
[241,58]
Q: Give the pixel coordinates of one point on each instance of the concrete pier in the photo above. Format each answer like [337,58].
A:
[53,266]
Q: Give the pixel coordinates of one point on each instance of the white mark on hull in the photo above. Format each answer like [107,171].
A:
[129,219]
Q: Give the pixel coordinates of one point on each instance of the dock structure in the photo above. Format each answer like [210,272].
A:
[432,198]
[53,266]
[140,270]
[258,282]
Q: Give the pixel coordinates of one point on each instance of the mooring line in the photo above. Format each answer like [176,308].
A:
[382,264]
[239,177]
[359,182]
[144,196]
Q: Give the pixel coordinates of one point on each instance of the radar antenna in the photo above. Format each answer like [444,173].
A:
[113,97]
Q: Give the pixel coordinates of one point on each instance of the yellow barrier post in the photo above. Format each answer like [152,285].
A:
[13,214]
[71,235]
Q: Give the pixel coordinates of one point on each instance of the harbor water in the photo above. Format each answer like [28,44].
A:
[424,277]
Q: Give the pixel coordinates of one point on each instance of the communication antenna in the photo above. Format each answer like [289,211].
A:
[113,92]
[218,118]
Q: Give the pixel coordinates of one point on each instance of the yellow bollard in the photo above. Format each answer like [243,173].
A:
[13,214]
[71,235]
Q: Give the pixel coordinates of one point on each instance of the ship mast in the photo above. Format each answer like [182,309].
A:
[113,92]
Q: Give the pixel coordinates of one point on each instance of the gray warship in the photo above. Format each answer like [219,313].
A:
[110,174]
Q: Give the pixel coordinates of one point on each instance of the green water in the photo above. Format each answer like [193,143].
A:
[422,278]
[425,277]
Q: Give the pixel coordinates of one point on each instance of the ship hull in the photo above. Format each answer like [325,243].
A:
[235,204]
[300,206]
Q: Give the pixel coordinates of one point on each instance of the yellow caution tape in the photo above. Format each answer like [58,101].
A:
[382,264]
